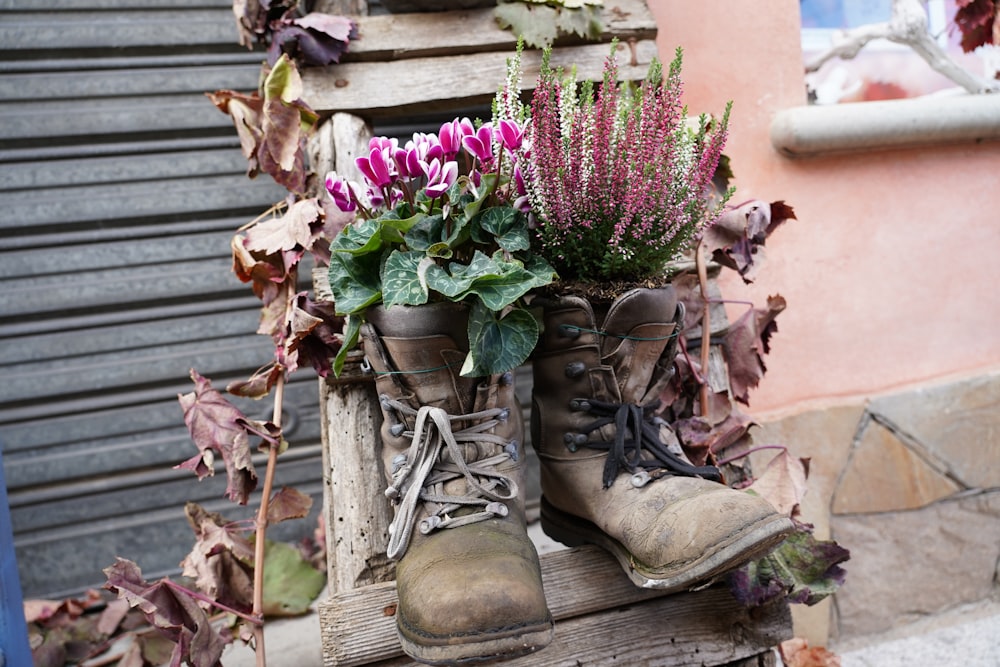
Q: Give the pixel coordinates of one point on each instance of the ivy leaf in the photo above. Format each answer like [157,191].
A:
[290,582]
[804,569]
[401,283]
[312,334]
[173,612]
[979,23]
[215,427]
[498,344]
[507,225]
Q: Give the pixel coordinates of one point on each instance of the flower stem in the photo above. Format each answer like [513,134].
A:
[261,535]
[706,333]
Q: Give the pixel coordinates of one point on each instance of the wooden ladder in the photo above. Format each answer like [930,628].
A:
[409,66]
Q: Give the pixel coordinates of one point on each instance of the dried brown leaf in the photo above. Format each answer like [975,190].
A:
[796,652]
[783,482]
[288,503]
[216,428]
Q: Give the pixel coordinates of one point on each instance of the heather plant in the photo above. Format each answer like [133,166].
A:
[618,178]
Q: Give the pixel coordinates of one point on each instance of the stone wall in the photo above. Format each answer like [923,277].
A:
[909,482]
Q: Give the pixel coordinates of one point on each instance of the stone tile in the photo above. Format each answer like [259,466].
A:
[823,436]
[957,421]
[906,565]
[885,475]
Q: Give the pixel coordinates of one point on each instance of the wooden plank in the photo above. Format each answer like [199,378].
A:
[599,615]
[404,36]
[421,85]
[357,513]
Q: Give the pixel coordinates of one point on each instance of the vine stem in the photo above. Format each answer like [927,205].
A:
[706,320]
[758,448]
[259,543]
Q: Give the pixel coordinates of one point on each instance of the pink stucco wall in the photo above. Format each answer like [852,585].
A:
[892,268]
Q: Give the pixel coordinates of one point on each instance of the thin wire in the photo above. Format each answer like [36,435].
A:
[413,372]
[620,336]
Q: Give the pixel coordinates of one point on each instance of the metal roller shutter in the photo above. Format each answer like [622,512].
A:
[121,186]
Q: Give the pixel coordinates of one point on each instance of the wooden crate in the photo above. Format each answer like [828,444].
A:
[420,64]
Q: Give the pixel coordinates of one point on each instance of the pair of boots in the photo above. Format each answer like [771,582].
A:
[467,576]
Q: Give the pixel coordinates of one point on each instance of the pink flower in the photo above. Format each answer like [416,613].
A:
[378,167]
[510,135]
[480,144]
[440,177]
[340,192]
[452,134]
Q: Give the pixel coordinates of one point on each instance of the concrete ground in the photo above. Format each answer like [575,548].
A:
[965,637]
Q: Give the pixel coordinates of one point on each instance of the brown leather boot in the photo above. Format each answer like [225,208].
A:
[467,576]
[614,475]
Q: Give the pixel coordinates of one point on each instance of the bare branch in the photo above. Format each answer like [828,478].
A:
[907,26]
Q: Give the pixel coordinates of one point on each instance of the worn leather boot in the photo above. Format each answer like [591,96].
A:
[614,475]
[467,575]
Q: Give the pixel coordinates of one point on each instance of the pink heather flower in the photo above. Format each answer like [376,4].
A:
[510,135]
[340,192]
[377,167]
[480,144]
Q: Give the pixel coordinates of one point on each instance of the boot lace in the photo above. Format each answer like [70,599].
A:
[636,446]
[438,455]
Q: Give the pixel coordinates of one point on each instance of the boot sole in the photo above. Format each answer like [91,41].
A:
[754,541]
[486,650]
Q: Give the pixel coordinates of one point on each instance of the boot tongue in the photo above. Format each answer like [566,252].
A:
[639,325]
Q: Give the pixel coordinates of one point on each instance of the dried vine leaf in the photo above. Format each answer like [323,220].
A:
[172,612]
[796,652]
[288,503]
[215,427]
[746,343]
[737,238]
[783,482]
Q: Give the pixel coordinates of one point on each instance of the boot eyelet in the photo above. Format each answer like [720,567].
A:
[428,525]
[396,430]
[574,440]
[497,509]
[511,449]
[507,379]
[504,415]
[398,461]
[569,331]
[641,479]
[575,369]
[579,405]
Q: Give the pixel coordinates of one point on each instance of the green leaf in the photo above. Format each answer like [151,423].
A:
[508,226]
[290,582]
[433,231]
[498,345]
[359,239]
[802,569]
[351,335]
[401,284]
[354,281]
[536,24]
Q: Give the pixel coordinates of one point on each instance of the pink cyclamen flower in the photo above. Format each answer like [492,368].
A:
[340,192]
[510,135]
[480,144]
[440,177]
[451,135]
[377,167]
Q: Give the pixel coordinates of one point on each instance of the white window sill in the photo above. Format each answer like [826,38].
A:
[813,131]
